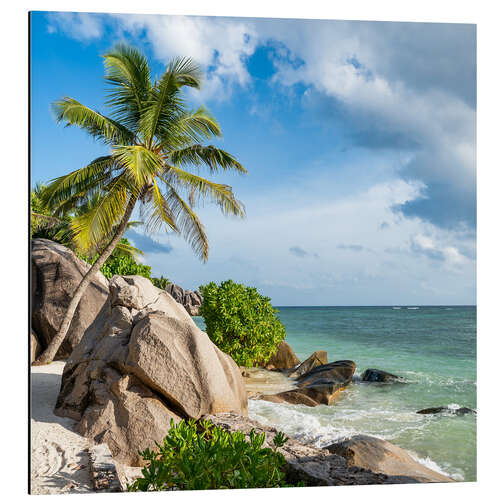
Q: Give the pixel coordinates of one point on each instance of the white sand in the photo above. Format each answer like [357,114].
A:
[59,458]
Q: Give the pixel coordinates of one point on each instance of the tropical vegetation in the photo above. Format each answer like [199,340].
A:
[241,322]
[155,144]
[210,457]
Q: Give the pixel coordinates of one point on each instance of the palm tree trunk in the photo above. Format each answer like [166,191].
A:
[48,355]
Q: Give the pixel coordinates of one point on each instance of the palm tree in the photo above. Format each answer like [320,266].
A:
[155,143]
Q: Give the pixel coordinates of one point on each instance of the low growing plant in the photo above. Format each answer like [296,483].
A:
[210,457]
[241,322]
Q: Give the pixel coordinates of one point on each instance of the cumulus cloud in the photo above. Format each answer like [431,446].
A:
[409,87]
[220,45]
[400,86]
[78,25]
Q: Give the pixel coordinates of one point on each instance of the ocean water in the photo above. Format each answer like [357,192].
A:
[433,348]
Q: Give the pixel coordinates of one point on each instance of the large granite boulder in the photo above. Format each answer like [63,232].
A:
[315,359]
[381,456]
[55,274]
[142,363]
[313,466]
[283,359]
[375,375]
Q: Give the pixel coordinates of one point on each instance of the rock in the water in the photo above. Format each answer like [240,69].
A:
[321,385]
[142,363]
[56,272]
[313,466]
[374,375]
[446,410]
[338,372]
[383,457]
[315,359]
[35,348]
[293,397]
[283,359]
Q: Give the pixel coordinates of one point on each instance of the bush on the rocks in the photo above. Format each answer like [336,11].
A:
[211,459]
[241,322]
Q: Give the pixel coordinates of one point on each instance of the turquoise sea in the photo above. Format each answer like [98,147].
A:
[434,348]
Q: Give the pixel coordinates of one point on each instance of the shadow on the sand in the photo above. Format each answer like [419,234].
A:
[44,391]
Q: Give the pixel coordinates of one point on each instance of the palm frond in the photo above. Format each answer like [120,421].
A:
[141,163]
[100,127]
[216,159]
[127,71]
[65,191]
[188,223]
[221,194]
[92,227]
[188,128]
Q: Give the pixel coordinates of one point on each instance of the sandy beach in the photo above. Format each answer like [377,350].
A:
[59,458]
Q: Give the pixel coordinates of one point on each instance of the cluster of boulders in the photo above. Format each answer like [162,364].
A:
[316,381]
[190,300]
[136,361]
[140,364]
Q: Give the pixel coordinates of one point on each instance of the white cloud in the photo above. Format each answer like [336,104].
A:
[220,45]
[78,25]
[398,84]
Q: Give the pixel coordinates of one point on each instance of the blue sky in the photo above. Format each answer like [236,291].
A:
[359,140]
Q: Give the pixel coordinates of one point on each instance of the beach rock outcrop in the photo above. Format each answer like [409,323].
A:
[321,385]
[283,359]
[142,363]
[447,410]
[190,300]
[313,466]
[55,274]
[293,397]
[383,457]
[374,375]
[315,359]
[338,372]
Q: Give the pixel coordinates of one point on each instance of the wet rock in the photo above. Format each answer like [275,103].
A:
[315,359]
[446,410]
[374,375]
[383,457]
[337,372]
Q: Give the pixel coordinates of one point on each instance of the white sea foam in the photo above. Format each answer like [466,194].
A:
[321,426]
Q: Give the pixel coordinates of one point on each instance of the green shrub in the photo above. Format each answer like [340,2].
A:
[241,322]
[211,458]
[121,263]
[160,282]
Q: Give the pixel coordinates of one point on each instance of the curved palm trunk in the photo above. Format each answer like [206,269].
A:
[48,355]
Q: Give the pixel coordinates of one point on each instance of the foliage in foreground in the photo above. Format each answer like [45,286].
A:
[211,459]
[241,322]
